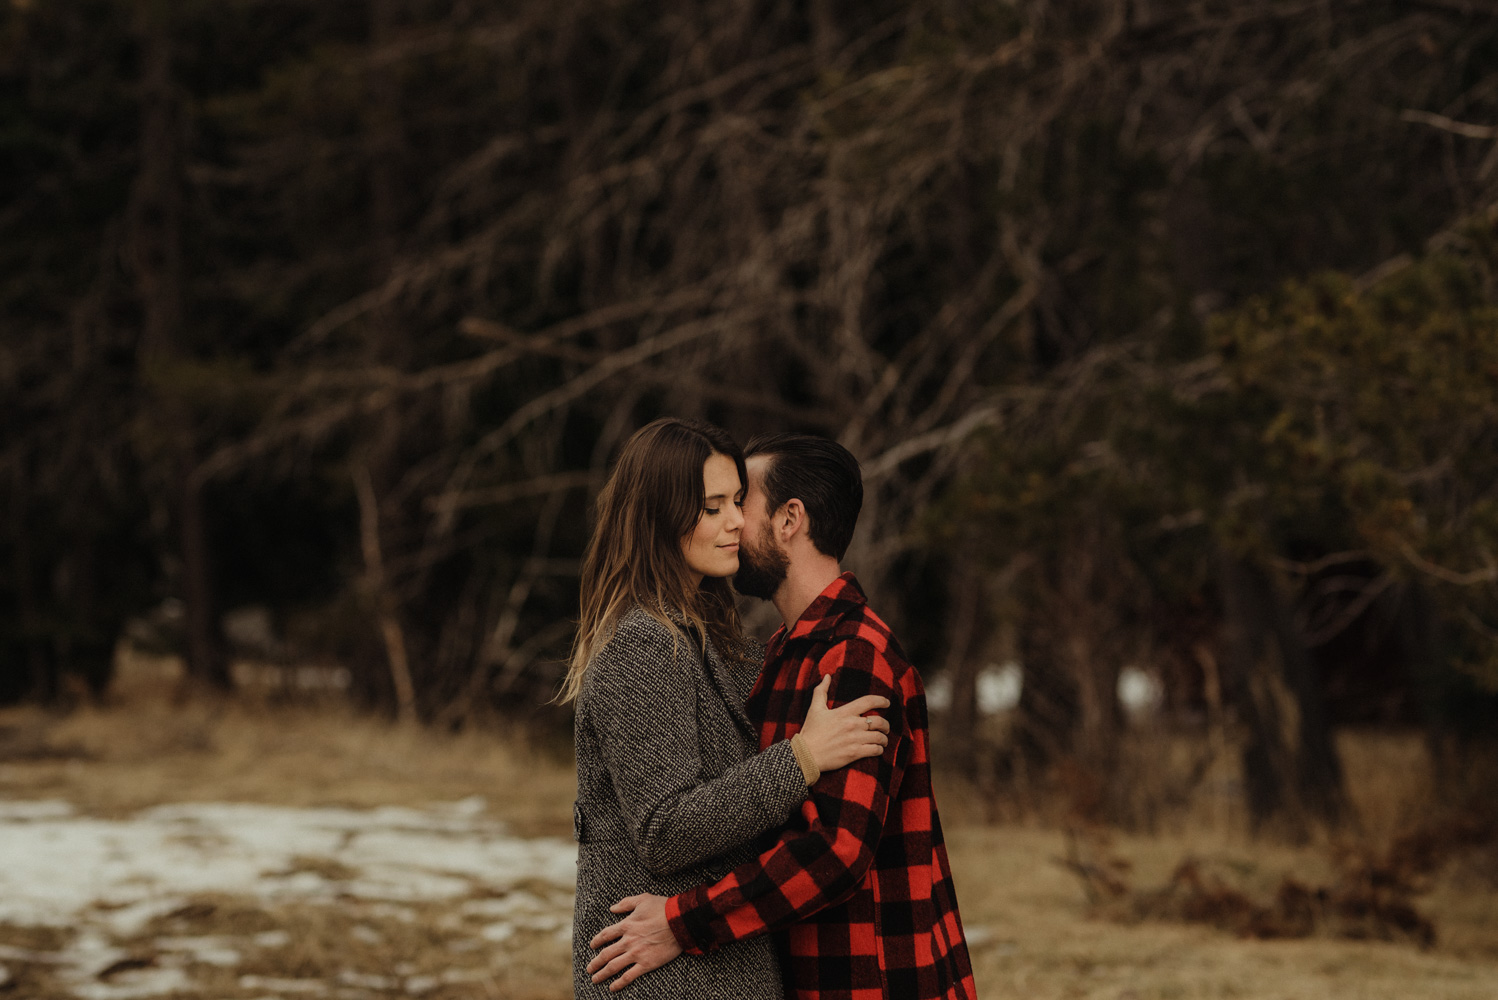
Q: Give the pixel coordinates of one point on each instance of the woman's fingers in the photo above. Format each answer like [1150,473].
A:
[859,726]
[819,695]
[857,707]
[839,736]
[867,703]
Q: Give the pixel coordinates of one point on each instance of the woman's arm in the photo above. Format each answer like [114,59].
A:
[643,707]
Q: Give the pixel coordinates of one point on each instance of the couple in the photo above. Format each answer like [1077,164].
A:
[756,843]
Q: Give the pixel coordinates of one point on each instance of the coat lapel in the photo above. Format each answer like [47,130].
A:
[730,689]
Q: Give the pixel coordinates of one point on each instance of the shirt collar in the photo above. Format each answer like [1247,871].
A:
[826,611]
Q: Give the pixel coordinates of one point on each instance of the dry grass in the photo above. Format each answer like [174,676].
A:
[142,750]
[1028,919]
[1037,942]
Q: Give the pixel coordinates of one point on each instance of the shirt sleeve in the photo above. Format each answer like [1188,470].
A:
[819,860]
[646,720]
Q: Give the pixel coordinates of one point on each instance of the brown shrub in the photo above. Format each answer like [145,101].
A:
[1371,898]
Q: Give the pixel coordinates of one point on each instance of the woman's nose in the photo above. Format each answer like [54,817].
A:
[736,518]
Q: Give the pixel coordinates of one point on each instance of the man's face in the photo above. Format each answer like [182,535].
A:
[762,563]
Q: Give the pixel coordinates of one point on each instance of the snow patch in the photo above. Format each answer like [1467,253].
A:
[60,865]
[108,879]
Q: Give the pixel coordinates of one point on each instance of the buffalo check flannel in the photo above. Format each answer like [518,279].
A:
[857,886]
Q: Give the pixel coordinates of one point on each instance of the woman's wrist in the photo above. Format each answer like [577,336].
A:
[806,759]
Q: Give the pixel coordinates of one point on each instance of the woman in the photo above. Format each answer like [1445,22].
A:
[672,786]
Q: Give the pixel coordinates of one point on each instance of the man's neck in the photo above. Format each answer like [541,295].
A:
[804,583]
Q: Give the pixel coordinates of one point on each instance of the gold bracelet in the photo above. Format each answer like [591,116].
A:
[809,769]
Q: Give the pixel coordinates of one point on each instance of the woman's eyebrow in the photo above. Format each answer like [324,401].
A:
[716,496]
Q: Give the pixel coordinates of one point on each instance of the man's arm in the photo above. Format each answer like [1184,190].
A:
[821,860]
[815,862]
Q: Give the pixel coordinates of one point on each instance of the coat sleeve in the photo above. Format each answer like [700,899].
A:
[819,860]
[644,709]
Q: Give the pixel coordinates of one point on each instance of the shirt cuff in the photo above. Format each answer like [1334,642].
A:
[677,908]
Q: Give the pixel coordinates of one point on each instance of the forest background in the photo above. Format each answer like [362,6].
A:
[1166,333]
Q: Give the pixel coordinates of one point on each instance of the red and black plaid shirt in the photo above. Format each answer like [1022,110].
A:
[857,886]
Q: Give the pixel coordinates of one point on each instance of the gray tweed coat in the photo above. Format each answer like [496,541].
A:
[670,791]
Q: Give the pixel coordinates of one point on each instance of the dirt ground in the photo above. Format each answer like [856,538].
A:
[1028,920]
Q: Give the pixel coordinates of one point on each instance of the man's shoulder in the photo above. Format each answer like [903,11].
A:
[863,641]
[861,624]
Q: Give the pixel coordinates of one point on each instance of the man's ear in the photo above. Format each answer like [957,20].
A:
[790,519]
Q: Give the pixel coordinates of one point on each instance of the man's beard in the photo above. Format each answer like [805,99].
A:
[762,569]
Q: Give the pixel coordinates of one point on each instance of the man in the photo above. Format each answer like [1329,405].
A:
[856,888]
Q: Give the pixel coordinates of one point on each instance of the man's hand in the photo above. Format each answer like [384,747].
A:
[641,941]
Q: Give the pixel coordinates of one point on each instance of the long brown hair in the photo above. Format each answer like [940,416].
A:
[653,500]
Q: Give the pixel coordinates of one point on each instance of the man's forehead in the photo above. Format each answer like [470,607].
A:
[756,467]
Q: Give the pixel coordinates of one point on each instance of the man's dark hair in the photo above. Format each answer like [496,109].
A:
[823,475]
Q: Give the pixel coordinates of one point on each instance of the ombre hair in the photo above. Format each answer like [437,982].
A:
[651,502]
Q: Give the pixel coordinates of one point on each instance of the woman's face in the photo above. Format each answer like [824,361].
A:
[712,548]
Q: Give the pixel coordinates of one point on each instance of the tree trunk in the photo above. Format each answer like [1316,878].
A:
[156,249]
[1291,772]
[963,653]
[93,624]
[1068,711]
[207,659]
[1046,718]
[1455,710]
[1099,721]
[382,597]
[381,524]
[39,663]
[383,139]
[156,203]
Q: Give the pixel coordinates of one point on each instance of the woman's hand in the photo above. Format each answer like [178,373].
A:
[838,736]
